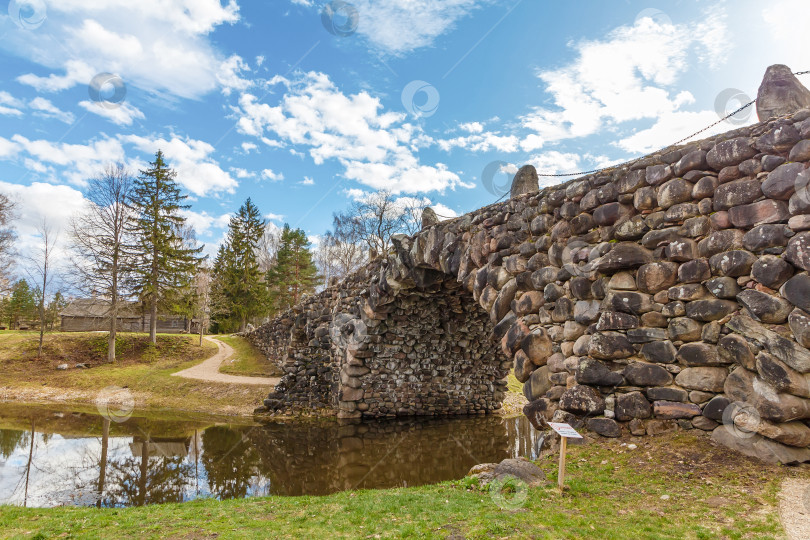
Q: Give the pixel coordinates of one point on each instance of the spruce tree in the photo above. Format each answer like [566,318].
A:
[22,305]
[240,284]
[294,273]
[163,262]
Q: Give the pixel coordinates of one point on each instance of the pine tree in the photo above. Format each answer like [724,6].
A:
[239,283]
[164,262]
[294,273]
[22,305]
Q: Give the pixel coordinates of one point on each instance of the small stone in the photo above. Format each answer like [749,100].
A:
[724,287]
[765,307]
[662,352]
[694,271]
[699,354]
[729,152]
[707,379]
[667,393]
[644,374]
[732,263]
[62,367]
[605,427]
[771,271]
[710,310]
[781,183]
[582,399]
[632,405]
[767,211]
[800,326]
[684,329]
[675,409]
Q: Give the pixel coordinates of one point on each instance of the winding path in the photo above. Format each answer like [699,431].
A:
[209,370]
[794,508]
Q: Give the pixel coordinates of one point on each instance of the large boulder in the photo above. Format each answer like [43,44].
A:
[525,181]
[755,445]
[780,93]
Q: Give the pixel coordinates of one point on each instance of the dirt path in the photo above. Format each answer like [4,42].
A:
[794,508]
[209,370]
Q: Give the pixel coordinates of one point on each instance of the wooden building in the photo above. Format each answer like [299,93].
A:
[93,314]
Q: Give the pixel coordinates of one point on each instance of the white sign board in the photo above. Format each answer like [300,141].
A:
[565,430]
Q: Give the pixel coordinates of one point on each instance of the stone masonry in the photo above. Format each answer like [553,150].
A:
[669,293]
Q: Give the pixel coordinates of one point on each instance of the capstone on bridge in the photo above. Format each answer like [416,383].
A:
[668,293]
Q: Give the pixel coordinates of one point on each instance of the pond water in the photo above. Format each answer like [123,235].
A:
[54,457]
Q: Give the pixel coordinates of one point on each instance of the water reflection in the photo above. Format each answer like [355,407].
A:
[51,458]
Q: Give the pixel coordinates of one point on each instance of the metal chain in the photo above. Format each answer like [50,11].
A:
[631,162]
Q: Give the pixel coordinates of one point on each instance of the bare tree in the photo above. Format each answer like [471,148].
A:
[43,271]
[99,236]
[268,247]
[375,218]
[202,285]
[339,254]
[7,238]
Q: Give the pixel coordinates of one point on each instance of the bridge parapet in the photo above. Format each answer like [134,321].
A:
[670,293]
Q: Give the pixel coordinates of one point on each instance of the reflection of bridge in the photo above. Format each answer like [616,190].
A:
[640,293]
[322,459]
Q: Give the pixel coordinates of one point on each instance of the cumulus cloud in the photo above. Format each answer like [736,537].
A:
[155,45]
[196,170]
[272,176]
[46,109]
[628,76]
[123,115]
[39,201]
[401,26]
[376,148]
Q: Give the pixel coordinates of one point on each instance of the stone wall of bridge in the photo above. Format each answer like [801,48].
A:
[670,293]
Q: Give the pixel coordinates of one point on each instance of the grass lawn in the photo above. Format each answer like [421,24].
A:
[671,486]
[141,368]
[247,359]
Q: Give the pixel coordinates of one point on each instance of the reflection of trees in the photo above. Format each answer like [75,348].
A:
[231,461]
[10,439]
[145,478]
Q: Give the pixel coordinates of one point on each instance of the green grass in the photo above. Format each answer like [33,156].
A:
[247,359]
[142,368]
[674,486]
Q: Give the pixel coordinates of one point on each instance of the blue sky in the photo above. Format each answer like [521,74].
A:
[260,99]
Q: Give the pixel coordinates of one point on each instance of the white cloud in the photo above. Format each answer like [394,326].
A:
[670,126]
[247,147]
[203,222]
[161,47]
[472,127]
[76,72]
[9,105]
[46,109]
[628,76]
[242,173]
[401,26]
[229,75]
[482,142]
[376,148]
[123,115]
[78,162]
[196,170]
[272,176]
[274,217]
[54,203]
[307,181]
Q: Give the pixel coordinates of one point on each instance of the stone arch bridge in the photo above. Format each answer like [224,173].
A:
[668,293]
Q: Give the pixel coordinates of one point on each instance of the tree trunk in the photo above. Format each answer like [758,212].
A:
[102,473]
[28,467]
[153,321]
[142,481]
[113,311]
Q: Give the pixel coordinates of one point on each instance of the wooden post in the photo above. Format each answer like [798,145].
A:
[561,470]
